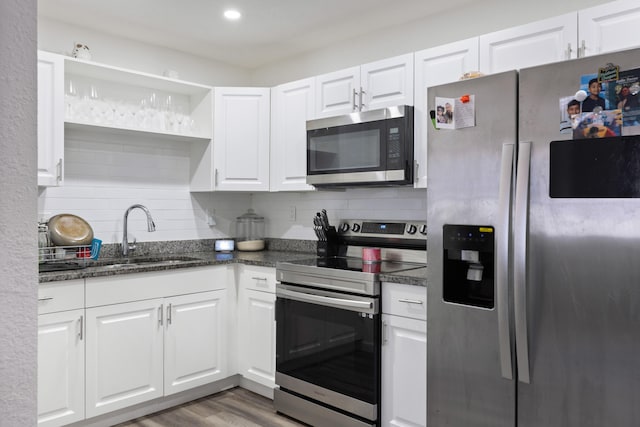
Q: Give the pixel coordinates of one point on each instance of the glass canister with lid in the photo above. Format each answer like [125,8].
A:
[250,231]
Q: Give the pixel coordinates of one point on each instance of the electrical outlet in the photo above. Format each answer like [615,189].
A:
[292,213]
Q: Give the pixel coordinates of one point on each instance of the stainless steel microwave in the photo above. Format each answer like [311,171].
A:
[366,148]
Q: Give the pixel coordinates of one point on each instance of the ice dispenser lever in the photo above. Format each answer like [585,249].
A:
[468,270]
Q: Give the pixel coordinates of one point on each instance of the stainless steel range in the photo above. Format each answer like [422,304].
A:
[328,327]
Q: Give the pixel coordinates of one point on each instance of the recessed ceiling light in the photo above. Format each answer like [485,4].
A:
[232,14]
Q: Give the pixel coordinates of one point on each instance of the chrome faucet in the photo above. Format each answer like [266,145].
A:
[151,226]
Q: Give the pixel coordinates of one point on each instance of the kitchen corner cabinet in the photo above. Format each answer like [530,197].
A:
[167,335]
[61,353]
[404,355]
[292,104]
[435,66]
[50,119]
[608,27]
[542,42]
[379,84]
[256,324]
[241,139]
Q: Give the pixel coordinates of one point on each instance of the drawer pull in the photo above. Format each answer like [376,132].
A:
[81,334]
[260,278]
[45,299]
[411,301]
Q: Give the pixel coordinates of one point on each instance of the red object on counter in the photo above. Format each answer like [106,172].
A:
[83,253]
[371,254]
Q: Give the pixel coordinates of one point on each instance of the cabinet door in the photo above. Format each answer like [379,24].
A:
[195,340]
[337,92]
[241,139]
[293,104]
[60,368]
[538,43]
[609,27]
[387,83]
[50,119]
[124,355]
[257,337]
[404,371]
[435,66]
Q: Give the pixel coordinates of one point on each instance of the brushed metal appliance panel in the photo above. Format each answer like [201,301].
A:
[583,277]
[465,387]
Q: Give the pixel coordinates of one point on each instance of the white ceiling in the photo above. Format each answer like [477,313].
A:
[269,30]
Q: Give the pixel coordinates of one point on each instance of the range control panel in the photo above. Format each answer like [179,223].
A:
[374,228]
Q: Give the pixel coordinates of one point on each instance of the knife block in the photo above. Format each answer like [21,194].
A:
[331,246]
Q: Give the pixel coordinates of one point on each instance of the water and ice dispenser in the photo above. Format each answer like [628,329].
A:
[469,265]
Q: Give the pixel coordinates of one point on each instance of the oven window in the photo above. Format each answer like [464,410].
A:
[332,348]
[349,151]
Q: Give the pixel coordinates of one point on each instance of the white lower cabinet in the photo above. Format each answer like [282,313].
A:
[124,355]
[404,356]
[60,368]
[61,353]
[172,339]
[195,329]
[256,324]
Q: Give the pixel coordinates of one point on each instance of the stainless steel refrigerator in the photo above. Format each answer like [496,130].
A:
[533,251]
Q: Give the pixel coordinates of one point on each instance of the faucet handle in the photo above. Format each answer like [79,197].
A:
[132,246]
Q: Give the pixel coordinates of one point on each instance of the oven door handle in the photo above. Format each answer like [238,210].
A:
[330,301]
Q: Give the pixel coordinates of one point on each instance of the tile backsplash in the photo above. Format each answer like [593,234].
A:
[105,174]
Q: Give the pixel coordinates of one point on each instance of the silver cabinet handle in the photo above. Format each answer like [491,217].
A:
[567,54]
[45,299]
[215,178]
[353,102]
[520,227]
[260,278]
[582,50]
[169,314]
[384,333]
[160,313]
[360,98]
[59,170]
[411,301]
[81,333]
[502,260]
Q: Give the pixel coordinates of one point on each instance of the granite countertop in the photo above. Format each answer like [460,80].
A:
[267,258]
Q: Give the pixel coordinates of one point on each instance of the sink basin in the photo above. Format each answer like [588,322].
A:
[141,262]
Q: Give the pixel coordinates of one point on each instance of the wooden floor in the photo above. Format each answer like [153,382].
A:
[236,407]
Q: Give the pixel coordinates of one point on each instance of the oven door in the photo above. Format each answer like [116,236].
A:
[328,347]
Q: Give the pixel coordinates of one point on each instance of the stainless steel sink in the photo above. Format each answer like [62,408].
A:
[142,262]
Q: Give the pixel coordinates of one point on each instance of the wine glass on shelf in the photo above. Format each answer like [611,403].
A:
[71,99]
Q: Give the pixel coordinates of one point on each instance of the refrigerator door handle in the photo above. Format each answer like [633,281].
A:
[502,260]
[520,261]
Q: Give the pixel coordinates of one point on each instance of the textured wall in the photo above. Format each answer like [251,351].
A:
[18,272]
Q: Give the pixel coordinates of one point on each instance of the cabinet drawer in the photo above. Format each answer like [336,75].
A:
[257,278]
[404,300]
[60,296]
[157,284]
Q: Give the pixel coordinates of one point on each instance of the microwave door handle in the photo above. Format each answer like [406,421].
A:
[330,301]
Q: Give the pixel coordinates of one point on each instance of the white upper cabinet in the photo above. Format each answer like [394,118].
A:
[609,27]
[386,83]
[537,43]
[292,104]
[50,119]
[379,84]
[434,66]
[241,139]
